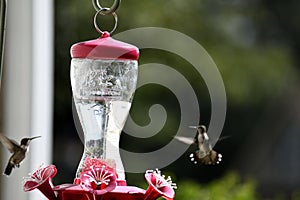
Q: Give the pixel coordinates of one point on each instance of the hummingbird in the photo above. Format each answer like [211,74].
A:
[204,153]
[18,151]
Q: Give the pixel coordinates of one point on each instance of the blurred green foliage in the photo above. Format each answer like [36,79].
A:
[228,187]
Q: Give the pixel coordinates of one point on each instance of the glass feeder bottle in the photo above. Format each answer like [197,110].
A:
[103,78]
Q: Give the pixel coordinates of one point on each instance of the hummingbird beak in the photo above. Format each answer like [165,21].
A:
[35,137]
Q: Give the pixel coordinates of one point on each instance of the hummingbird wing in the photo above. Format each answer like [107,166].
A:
[195,127]
[11,145]
[219,139]
[224,138]
[186,140]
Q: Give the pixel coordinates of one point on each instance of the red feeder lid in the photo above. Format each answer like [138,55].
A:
[105,48]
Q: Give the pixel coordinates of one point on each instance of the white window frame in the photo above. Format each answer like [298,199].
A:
[27,89]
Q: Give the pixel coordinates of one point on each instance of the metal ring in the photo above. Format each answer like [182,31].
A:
[102,12]
[111,10]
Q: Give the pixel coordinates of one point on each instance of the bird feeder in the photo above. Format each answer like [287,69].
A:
[104,75]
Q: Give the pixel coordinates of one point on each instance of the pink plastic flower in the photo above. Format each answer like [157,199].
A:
[98,180]
[98,163]
[41,179]
[159,186]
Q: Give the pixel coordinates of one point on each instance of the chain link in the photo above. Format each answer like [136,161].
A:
[101,12]
[106,11]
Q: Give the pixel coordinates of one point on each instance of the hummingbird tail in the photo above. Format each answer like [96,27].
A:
[8,169]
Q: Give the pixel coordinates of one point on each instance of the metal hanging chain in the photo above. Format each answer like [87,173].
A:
[106,11]
[101,12]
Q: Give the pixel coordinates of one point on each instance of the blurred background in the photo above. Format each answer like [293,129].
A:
[256,46]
